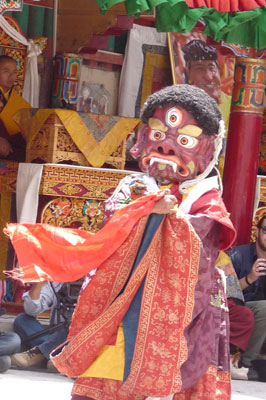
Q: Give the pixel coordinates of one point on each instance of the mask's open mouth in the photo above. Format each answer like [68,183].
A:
[162,162]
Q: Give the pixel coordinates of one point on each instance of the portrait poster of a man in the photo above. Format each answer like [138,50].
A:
[198,60]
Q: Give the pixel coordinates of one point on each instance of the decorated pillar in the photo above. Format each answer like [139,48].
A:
[241,161]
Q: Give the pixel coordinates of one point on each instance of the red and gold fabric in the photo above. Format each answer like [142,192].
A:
[214,385]
[172,273]
[214,382]
[71,253]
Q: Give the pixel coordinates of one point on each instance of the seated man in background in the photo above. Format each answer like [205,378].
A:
[9,344]
[41,297]
[249,262]
[12,143]
[241,318]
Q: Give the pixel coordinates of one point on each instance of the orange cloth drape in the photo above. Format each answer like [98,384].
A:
[48,253]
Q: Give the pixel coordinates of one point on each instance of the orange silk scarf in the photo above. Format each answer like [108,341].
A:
[48,253]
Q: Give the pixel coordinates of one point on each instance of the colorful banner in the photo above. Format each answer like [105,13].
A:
[10,5]
[41,3]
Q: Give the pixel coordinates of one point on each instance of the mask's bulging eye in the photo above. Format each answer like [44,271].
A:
[156,135]
[173,117]
[187,141]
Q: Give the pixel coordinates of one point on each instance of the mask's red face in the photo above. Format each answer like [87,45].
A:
[172,147]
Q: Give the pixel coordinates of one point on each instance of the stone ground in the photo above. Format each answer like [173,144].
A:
[32,385]
[18,384]
[248,390]
[36,385]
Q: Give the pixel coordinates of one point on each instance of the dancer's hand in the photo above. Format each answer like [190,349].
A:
[165,205]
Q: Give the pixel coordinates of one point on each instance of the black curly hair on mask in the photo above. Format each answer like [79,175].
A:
[193,99]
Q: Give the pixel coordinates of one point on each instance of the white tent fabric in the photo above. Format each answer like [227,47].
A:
[132,68]
[27,192]
[31,89]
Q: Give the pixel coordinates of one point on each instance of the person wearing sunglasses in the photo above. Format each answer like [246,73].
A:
[249,261]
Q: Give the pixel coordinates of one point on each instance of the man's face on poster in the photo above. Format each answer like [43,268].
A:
[205,74]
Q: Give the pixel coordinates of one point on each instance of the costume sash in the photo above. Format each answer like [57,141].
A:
[171,274]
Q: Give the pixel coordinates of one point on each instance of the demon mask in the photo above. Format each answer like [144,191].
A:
[177,140]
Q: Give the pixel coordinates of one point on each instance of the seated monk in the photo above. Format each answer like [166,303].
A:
[12,143]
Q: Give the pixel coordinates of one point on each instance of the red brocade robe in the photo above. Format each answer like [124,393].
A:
[181,346]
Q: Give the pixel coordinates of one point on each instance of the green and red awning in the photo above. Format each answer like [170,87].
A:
[232,21]
[227,5]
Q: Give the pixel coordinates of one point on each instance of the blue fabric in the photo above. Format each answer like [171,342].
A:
[9,343]
[25,325]
[243,257]
[5,363]
[131,319]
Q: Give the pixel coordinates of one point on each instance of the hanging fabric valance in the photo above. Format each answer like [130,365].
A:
[247,26]
[227,5]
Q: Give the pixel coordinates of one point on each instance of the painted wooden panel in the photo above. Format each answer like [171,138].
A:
[78,21]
